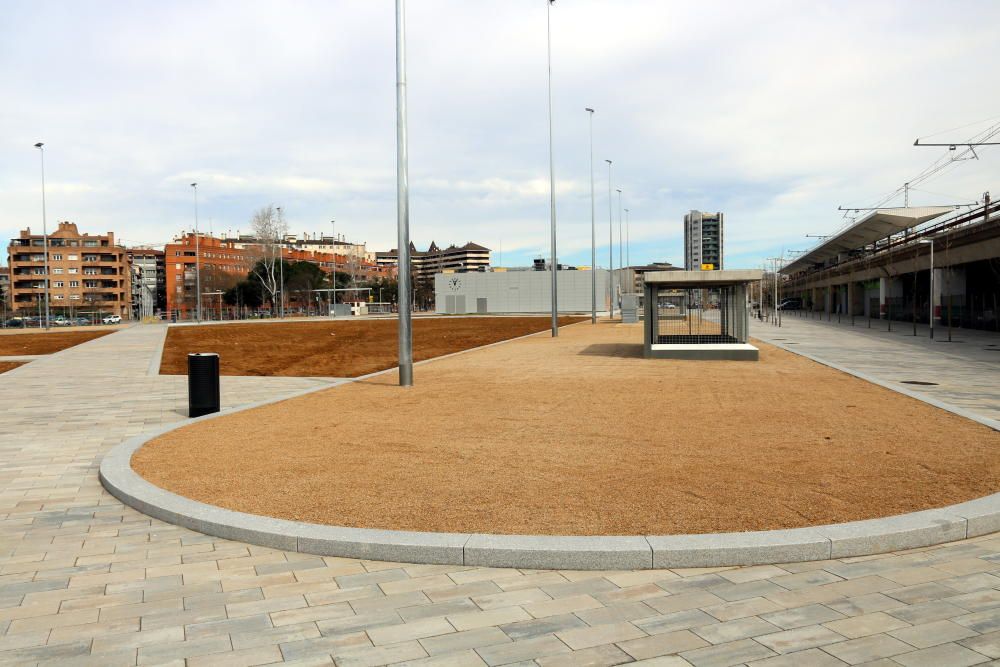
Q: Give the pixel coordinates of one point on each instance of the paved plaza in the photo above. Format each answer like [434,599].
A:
[966,371]
[87,581]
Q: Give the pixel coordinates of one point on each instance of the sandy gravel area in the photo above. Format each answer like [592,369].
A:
[581,435]
[14,345]
[340,348]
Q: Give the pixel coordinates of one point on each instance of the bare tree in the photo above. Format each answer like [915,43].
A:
[269,228]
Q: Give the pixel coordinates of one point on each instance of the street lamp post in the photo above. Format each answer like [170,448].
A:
[621,256]
[333,294]
[628,258]
[931,299]
[197,256]
[611,248]
[281,267]
[552,182]
[593,228]
[403,205]
[45,236]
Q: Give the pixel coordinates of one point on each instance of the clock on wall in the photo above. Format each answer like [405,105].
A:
[455,284]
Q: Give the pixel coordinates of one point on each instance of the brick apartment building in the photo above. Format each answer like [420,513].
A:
[88,275]
[225,262]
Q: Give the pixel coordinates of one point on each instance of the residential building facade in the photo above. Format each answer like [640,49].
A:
[88,275]
[703,241]
[454,259]
[149,282]
[223,263]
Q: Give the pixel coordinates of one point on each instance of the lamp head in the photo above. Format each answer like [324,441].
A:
[608,161]
[589,109]
[39,145]
[194,185]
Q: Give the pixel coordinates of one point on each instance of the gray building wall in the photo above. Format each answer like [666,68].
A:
[517,292]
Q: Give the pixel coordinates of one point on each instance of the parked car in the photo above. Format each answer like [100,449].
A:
[60,321]
[790,304]
[14,322]
[112,319]
[82,321]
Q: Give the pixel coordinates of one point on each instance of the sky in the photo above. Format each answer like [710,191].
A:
[775,113]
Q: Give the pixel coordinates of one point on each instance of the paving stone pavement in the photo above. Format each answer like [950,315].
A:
[87,581]
[966,371]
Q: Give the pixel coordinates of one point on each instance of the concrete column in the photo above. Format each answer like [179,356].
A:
[815,299]
[828,299]
[852,294]
[883,294]
[948,281]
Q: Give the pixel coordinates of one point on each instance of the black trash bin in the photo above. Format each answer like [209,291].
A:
[203,383]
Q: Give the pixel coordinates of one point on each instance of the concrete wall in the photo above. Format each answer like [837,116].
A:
[517,291]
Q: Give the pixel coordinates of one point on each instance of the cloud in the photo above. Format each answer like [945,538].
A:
[774,112]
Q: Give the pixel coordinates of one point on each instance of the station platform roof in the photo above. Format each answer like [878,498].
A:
[873,227]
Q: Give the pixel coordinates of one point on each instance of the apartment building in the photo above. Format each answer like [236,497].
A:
[4,285]
[703,241]
[149,281]
[223,262]
[87,275]
[455,259]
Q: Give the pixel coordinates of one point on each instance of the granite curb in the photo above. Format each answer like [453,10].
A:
[614,552]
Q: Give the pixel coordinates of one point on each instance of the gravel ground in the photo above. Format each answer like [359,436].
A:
[581,435]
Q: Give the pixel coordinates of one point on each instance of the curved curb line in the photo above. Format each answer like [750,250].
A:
[857,538]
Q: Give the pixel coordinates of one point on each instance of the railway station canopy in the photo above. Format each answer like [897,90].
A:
[873,227]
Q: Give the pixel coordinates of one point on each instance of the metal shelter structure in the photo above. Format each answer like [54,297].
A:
[698,315]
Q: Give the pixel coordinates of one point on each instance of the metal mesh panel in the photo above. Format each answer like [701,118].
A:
[696,316]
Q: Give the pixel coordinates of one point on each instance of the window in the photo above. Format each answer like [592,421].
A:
[90,271]
[74,283]
[58,297]
[72,258]
[57,257]
[57,271]
[90,244]
[90,283]
[74,297]
[73,270]
[57,283]
[178,266]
